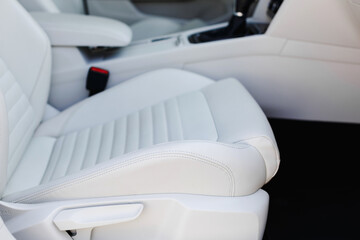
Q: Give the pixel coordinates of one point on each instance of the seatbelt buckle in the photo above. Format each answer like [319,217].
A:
[97,80]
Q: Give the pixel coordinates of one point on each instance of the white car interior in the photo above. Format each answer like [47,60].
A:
[148,119]
[299,39]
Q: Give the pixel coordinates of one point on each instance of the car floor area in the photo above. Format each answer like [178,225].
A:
[315,194]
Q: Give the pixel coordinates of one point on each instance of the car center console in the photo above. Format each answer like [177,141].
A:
[281,52]
[112,51]
[237,26]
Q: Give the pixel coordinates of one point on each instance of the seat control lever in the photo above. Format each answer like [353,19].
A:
[87,218]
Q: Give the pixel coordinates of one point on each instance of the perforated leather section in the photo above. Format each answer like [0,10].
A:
[20,116]
[186,117]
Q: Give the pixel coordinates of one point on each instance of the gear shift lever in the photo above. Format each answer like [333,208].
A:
[242,7]
[237,26]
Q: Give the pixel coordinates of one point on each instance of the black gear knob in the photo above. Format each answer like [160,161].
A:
[237,26]
[242,7]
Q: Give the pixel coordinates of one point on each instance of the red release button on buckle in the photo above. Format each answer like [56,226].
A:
[99,70]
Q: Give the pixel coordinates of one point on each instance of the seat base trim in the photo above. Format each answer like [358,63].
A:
[165,216]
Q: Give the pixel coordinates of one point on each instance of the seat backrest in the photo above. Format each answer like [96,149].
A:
[67,6]
[25,67]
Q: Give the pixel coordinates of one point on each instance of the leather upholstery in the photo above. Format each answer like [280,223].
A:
[167,131]
[25,64]
[145,28]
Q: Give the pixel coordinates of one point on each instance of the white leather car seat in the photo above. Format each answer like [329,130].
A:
[165,132]
[146,28]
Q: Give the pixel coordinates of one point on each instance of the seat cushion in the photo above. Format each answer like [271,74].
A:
[186,117]
[168,131]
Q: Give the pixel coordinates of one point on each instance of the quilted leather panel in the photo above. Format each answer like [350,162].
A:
[186,117]
[24,78]
[20,116]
